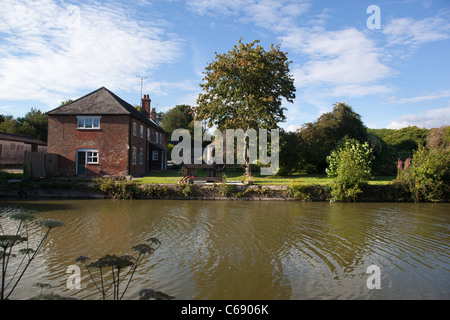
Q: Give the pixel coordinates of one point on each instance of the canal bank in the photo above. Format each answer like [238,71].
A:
[123,189]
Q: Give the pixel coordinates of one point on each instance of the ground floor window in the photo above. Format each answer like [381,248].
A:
[155,155]
[141,156]
[92,157]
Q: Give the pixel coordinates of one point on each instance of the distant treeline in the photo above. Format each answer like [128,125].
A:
[305,150]
[34,124]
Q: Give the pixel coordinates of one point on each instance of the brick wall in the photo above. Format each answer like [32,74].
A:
[114,141]
[111,141]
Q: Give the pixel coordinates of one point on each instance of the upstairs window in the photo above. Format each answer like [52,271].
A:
[148,134]
[88,122]
[134,129]
[142,132]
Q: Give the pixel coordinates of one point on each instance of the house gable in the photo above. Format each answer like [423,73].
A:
[102,101]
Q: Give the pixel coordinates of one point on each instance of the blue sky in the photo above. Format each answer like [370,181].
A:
[394,76]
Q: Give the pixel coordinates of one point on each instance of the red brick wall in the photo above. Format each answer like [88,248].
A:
[138,142]
[114,141]
[111,140]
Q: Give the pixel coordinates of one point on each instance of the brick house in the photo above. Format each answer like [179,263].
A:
[101,134]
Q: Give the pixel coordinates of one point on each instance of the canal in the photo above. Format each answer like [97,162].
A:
[245,249]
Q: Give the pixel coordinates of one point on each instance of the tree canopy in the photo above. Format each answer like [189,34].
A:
[319,138]
[244,88]
[33,124]
[179,117]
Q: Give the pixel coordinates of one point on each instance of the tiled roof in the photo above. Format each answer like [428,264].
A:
[102,102]
[20,138]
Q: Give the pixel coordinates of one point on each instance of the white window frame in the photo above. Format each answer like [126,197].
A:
[133,156]
[90,155]
[141,156]
[155,155]
[94,120]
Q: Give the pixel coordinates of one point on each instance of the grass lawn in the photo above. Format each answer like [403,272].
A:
[7,175]
[170,177]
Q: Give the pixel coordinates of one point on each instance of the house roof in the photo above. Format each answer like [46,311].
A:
[102,102]
[20,138]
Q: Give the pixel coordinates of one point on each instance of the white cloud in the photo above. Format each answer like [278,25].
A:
[433,118]
[428,97]
[50,50]
[274,15]
[345,59]
[215,6]
[407,31]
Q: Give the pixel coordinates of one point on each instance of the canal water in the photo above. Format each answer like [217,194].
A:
[245,249]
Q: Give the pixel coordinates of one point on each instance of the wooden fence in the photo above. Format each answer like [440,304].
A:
[39,164]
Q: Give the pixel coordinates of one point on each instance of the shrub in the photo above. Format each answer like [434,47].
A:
[350,166]
[118,189]
[298,190]
[428,176]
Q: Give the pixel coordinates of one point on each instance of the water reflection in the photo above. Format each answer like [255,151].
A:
[252,249]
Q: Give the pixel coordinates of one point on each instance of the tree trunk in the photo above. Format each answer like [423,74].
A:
[248,168]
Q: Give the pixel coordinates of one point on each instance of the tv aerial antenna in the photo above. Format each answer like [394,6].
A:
[142,84]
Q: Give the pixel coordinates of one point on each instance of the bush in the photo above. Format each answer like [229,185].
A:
[299,191]
[350,166]
[118,189]
[428,175]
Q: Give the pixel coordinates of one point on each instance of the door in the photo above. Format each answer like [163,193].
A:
[81,163]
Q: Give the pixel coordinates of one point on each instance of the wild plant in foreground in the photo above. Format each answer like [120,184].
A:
[9,244]
[113,271]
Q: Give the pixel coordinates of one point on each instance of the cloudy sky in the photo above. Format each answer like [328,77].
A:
[391,65]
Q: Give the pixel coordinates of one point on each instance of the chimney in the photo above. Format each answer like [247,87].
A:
[146,105]
[153,117]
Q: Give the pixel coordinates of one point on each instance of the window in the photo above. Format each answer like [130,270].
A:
[142,131]
[148,134]
[157,137]
[155,155]
[141,156]
[148,154]
[92,157]
[88,122]
[133,157]
[134,128]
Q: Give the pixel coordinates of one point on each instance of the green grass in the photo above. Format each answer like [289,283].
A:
[5,176]
[257,179]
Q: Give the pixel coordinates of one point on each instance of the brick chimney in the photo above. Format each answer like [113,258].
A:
[153,116]
[146,105]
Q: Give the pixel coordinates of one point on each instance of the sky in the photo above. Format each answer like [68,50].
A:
[389,60]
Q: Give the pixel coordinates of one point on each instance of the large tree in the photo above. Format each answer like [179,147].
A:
[321,137]
[244,88]
[179,117]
